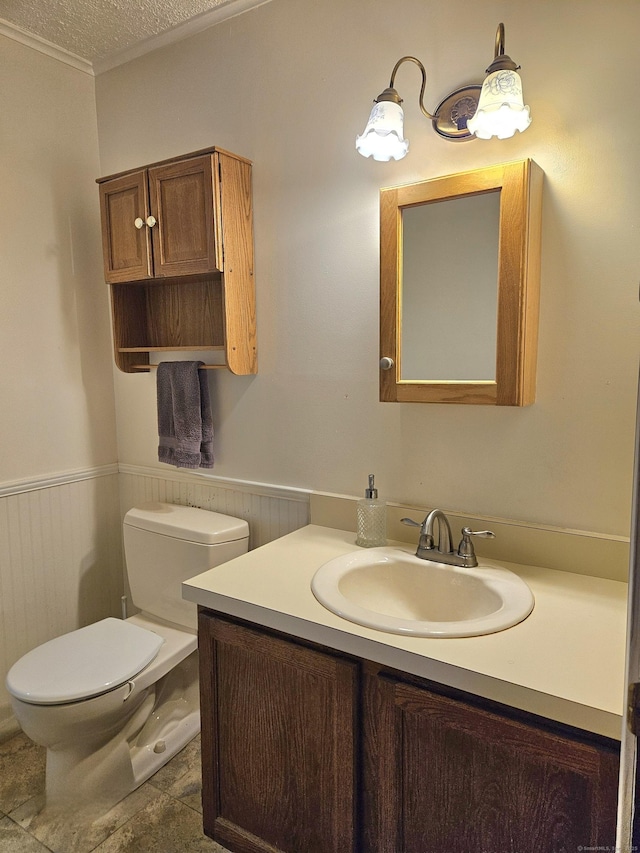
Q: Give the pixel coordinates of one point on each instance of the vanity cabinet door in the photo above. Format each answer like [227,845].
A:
[444,775]
[278,742]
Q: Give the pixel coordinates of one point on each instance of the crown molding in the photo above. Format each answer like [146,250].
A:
[229,9]
[226,10]
[43,46]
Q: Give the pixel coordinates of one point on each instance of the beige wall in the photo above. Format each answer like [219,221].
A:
[289,85]
[57,409]
[60,549]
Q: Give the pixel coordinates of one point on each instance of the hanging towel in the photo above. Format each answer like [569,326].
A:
[185,426]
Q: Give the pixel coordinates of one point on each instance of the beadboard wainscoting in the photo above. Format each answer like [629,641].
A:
[61,559]
[271,511]
[61,563]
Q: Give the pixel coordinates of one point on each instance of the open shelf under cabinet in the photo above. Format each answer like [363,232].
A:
[153,316]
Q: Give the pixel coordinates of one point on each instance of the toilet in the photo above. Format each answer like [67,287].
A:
[114,701]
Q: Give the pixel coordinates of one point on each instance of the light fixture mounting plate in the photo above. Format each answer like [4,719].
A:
[454,111]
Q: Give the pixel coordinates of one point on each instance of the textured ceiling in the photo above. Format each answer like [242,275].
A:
[95,29]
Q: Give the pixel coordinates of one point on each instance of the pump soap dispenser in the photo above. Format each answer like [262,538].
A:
[371,518]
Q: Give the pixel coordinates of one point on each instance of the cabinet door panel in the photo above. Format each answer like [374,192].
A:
[278,772]
[470,779]
[126,249]
[182,201]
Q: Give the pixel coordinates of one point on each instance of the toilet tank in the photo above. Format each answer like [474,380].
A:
[165,544]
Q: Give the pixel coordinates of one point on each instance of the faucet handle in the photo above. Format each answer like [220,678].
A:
[483,534]
[426,540]
[465,549]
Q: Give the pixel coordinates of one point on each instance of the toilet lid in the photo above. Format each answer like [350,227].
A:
[83,663]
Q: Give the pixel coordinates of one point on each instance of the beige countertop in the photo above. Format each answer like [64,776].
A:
[564,662]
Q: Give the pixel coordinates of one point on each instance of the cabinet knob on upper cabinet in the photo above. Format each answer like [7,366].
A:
[386,363]
[140,223]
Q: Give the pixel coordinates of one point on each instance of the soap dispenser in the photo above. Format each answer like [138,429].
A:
[371,518]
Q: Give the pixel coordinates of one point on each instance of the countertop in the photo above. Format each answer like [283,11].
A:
[564,662]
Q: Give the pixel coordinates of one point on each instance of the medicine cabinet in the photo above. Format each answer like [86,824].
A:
[177,241]
[459,287]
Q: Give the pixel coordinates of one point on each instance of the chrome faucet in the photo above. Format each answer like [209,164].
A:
[443,552]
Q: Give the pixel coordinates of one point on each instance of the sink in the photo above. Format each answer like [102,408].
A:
[392,590]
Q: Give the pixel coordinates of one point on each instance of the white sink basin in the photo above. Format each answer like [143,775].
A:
[390,589]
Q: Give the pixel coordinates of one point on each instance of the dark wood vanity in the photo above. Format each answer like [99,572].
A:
[309,750]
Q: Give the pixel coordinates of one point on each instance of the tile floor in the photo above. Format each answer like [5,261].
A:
[162,816]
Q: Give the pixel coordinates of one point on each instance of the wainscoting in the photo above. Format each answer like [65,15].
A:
[270,511]
[60,561]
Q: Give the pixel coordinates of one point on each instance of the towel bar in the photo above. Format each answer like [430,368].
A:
[154,366]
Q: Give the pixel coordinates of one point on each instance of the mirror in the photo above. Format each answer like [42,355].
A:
[459,284]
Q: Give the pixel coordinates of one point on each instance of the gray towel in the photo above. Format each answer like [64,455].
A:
[185,427]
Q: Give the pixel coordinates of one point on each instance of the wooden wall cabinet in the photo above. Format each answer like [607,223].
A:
[177,242]
[309,751]
[429,287]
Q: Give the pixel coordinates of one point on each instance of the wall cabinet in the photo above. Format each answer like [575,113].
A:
[177,242]
[459,287]
[157,222]
[309,751]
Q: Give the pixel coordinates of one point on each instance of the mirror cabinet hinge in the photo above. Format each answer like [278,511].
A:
[633,708]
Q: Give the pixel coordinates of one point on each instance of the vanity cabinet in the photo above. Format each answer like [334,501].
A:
[177,242]
[309,751]
[445,773]
[279,742]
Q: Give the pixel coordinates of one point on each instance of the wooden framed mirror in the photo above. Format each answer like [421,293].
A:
[459,287]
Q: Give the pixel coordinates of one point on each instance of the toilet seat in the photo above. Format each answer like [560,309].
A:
[83,663]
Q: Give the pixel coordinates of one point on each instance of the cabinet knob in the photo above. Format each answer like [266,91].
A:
[140,223]
[386,363]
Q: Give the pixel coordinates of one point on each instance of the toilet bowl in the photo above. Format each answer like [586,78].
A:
[114,701]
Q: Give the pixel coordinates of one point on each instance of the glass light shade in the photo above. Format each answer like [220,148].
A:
[383,136]
[501,110]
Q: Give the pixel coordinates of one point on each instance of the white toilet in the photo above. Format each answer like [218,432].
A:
[114,701]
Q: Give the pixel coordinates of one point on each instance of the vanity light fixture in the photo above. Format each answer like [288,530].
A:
[501,110]
[494,109]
